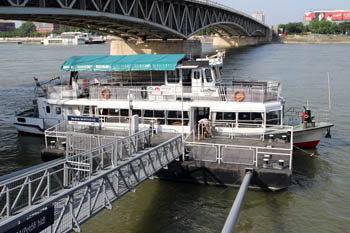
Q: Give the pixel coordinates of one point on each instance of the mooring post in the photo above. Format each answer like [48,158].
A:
[235,210]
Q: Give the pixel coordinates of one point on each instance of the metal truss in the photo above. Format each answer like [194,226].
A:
[83,200]
[140,19]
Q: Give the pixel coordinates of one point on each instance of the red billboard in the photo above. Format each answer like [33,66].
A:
[327,16]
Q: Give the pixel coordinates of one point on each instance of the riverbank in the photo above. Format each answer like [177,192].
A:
[316,39]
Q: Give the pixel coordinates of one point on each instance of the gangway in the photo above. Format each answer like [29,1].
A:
[60,195]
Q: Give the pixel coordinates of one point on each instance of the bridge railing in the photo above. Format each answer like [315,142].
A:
[224,7]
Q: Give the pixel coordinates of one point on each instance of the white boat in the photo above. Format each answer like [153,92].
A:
[167,92]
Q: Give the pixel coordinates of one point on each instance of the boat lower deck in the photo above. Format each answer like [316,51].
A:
[224,161]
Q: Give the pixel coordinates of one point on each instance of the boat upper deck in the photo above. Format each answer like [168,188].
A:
[255,92]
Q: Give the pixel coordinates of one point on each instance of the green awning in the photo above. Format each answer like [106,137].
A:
[144,62]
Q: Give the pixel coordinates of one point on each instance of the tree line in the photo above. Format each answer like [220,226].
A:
[28,29]
[319,27]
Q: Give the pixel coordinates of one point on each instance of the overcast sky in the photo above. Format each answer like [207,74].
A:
[282,11]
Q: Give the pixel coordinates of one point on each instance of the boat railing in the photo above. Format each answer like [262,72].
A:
[108,120]
[230,129]
[240,154]
[293,116]
[236,92]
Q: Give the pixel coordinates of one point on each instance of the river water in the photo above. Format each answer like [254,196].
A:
[317,200]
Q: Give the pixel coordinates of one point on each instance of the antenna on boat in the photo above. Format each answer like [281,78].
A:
[329,93]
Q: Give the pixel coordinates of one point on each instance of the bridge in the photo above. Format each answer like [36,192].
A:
[138,19]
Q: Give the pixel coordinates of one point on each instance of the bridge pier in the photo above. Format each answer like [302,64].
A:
[192,48]
[231,42]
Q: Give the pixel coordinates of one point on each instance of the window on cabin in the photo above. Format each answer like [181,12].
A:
[186,77]
[156,115]
[196,75]
[226,116]
[21,119]
[175,118]
[250,118]
[173,77]
[217,73]
[58,110]
[136,112]
[273,118]
[124,115]
[48,109]
[208,75]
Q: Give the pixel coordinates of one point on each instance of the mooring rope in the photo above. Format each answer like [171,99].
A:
[320,158]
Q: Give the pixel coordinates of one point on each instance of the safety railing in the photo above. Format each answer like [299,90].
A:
[81,201]
[278,144]
[27,188]
[41,182]
[293,116]
[238,92]
[228,129]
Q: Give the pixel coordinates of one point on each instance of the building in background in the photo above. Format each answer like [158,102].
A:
[46,27]
[327,15]
[7,26]
[260,16]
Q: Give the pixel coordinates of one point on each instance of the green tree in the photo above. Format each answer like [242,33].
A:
[26,29]
[292,28]
[282,28]
[344,27]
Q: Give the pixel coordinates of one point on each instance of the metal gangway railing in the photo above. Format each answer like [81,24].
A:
[70,191]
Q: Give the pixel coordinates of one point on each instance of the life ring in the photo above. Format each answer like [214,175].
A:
[106,93]
[143,92]
[305,116]
[238,95]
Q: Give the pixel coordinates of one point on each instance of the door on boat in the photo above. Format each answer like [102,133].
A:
[197,81]
[197,114]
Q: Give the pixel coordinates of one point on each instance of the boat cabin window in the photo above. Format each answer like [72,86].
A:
[124,112]
[136,112]
[186,73]
[196,75]
[273,118]
[21,119]
[250,118]
[158,115]
[217,74]
[48,109]
[58,110]
[174,76]
[225,116]
[208,75]
[175,118]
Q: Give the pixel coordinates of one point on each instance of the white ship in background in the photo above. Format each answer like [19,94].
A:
[73,38]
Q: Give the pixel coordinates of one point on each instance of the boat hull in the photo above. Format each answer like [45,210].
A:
[29,129]
[29,124]
[310,137]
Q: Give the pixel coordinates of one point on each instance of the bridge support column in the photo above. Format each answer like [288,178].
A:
[225,42]
[192,48]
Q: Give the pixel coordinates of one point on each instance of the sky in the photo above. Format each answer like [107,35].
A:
[284,11]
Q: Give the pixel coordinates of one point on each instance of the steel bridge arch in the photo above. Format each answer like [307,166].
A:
[141,19]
